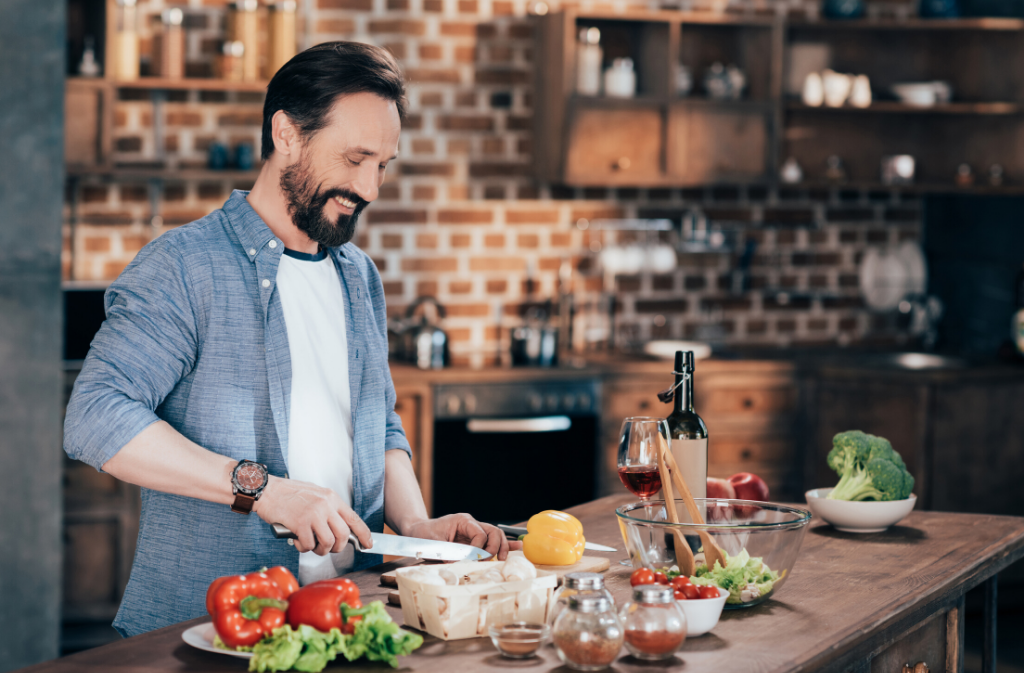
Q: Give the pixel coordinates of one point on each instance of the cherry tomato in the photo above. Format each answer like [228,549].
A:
[641,576]
[691,591]
[708,592]
[680,582]
[660,578]
[680,595]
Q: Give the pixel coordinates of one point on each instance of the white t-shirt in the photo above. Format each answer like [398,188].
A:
[320,421]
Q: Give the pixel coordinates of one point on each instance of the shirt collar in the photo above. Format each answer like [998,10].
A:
[252,232]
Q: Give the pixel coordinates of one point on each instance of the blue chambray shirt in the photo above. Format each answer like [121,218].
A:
[195,335]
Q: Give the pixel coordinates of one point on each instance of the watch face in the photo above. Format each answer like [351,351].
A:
[250,476]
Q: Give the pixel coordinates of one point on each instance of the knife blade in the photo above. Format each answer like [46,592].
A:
[514,532]
[399,545]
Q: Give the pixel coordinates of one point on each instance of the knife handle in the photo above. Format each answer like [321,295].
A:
[283,532]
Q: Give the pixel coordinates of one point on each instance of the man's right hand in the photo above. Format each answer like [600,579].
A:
[317,515]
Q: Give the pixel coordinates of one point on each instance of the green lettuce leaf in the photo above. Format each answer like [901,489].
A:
[306,649]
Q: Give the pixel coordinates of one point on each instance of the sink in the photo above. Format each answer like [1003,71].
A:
[917,361]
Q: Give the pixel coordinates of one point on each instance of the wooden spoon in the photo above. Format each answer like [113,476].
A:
[684,555]
[712,552]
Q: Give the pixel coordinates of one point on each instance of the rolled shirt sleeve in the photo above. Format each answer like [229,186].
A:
[147,344]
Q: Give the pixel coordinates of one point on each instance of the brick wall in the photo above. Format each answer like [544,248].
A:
[461,219]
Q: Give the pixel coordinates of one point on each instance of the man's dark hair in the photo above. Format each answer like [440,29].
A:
[308,85]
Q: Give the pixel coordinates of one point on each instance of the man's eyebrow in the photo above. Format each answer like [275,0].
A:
[370,153]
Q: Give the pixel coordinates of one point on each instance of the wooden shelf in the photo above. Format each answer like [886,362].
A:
[129,174]
[742,104]
[915,188]
[192,84]
[894,107]
[992,23]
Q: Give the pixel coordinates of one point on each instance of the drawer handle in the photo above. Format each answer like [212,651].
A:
[621,164]
[745,454]
[919,667]
[645,404]
[747,403]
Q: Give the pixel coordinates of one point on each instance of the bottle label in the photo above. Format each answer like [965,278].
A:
[692,457]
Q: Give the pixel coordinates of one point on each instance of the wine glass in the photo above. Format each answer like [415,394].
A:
[639,443]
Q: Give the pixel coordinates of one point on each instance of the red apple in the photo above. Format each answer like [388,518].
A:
[720,488]
[749,486]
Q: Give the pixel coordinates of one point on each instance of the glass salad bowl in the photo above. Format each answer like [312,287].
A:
[761,541]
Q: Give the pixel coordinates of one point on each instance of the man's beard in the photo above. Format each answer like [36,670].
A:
[306,203]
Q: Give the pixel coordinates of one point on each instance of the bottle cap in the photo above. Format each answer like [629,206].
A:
[653,593]
[589,603]
[684,361]
[584,581]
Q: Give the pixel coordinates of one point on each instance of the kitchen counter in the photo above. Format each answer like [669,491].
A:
[853,602]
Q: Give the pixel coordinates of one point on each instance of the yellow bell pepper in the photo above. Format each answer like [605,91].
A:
[553,538]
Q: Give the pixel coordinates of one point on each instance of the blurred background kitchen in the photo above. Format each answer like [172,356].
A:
[826,197]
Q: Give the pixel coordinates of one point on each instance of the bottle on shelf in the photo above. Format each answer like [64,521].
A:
[243,26]
[689,434]
[127,44]
[169,46]
[281,44]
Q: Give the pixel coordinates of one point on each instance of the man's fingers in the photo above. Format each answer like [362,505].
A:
[514,545]
[324,538]
[472,529]
[357,526]
[496,543]
[340,530]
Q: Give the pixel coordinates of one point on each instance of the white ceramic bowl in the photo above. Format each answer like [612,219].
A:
[858,516]
[702,614]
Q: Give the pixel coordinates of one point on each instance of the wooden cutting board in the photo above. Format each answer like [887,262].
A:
[587,564]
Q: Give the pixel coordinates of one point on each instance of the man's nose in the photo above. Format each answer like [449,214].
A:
[366,184]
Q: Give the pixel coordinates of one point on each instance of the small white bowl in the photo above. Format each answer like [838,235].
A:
[702,614]
[865,516]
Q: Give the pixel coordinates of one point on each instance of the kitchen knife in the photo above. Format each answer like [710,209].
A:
[398,545]
[514,533]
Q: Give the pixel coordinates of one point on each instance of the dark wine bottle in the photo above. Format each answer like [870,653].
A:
[1018,315]
[687,430]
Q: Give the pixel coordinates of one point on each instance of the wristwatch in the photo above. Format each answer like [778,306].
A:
[248,480]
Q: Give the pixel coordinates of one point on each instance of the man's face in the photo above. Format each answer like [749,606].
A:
[340,168]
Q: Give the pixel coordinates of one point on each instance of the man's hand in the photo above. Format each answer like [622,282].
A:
[464,529]
[317,515]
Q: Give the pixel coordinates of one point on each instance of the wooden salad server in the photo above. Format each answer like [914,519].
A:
[712,552]
[684,555]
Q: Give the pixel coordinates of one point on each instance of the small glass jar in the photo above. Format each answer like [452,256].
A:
[576,583]
[655,625]
[588,633]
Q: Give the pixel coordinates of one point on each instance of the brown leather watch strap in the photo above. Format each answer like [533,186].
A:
[243,504]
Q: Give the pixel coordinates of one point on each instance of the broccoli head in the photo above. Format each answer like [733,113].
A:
[868,467]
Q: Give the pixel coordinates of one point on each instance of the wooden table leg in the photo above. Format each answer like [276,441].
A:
[988,652]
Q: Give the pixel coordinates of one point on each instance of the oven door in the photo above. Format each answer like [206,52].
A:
[506,469]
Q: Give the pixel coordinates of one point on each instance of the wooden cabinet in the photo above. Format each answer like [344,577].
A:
[750,411]
[657,137]
[88,122]
[412,404]
[936,642]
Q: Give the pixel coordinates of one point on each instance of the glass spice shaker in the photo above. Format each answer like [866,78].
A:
[588,633]
[575,583]
[655,625]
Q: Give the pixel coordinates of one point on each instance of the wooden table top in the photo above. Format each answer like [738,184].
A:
[844,590]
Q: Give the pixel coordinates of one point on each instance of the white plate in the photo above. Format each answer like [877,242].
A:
[201,636]
[883,279]
[917,269]
[858,516]
[666,350]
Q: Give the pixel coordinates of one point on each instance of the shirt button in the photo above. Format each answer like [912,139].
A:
[266,283]
[272,244]
[252,251]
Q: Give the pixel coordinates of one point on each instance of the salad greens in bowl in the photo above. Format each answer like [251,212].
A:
[760,540]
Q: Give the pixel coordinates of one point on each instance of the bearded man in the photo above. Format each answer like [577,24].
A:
[243,363]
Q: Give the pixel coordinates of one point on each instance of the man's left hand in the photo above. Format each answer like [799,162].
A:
[464,529]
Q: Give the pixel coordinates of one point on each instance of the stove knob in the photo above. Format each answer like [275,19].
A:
[453,403]
[470,403]
[584,402]
[568,402]
[552,402]
[535,402]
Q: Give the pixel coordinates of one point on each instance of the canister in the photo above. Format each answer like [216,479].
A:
[169,46]
[243,26]
[281,37]
[127,61]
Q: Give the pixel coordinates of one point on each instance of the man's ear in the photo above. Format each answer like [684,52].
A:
[285,134]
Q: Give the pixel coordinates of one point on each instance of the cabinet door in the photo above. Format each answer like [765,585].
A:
[708,142]
[614,146]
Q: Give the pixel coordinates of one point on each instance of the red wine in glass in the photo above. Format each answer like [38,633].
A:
[644,481]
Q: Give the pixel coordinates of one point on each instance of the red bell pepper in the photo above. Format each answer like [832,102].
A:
[246,608]
[327,604]
[279,574]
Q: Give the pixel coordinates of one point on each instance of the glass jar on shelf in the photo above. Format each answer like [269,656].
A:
[654,624]
[588,634]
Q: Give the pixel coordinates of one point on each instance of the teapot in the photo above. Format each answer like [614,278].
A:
[423,342]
